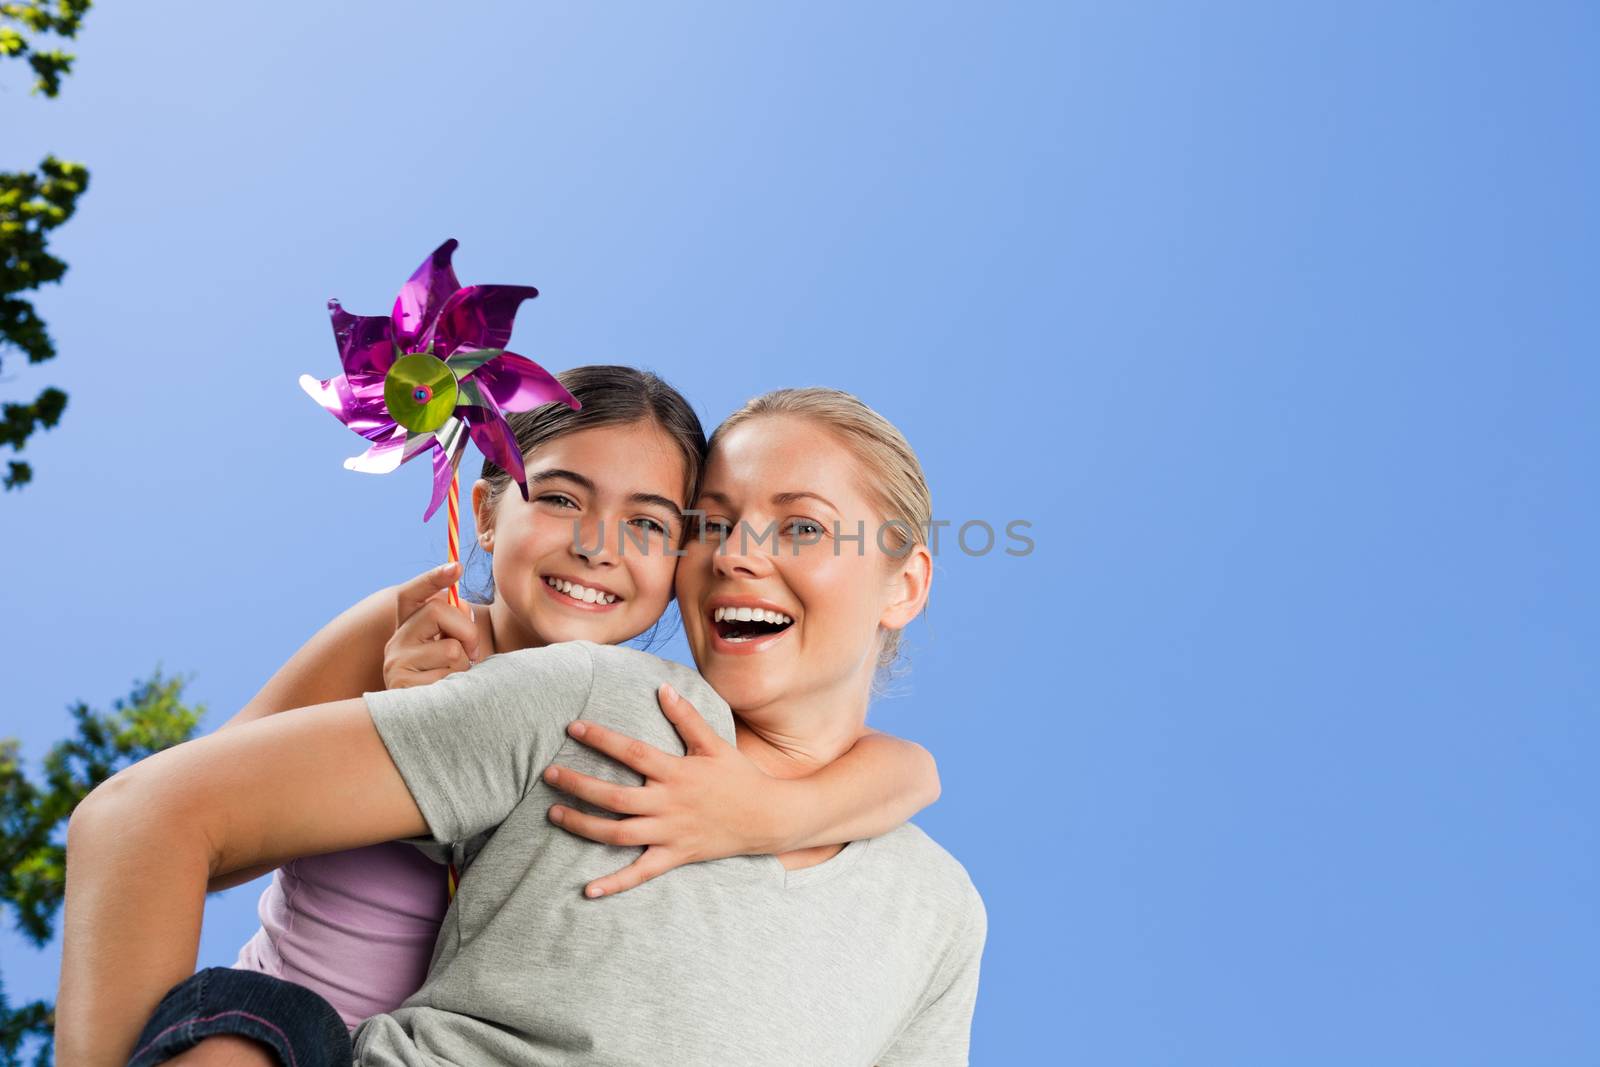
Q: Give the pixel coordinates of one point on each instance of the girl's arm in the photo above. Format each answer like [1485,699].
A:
[714,802]
[376,643]
[141,848]
[878,784]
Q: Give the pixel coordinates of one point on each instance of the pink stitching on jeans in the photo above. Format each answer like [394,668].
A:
[214,1018]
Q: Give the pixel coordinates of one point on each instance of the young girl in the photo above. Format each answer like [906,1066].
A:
[359,926]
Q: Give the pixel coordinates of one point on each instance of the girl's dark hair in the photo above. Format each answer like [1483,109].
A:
[610,395]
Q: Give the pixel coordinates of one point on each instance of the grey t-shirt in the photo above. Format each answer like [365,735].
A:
[868,958]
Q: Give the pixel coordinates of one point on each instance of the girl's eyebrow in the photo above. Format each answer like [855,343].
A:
[554,473]
[656,499]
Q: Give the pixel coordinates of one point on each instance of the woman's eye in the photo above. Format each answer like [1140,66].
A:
[648,524]
[558,500]
[804,528]
[718,528]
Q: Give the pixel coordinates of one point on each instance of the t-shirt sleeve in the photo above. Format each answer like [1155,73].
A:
[940,1032]
[472,744]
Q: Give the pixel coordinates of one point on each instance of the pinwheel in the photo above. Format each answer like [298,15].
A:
[432,374]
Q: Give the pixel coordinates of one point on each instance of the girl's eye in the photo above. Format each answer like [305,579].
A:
[558,499]
[648,524]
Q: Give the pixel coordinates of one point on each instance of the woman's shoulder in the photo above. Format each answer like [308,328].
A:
[912,853]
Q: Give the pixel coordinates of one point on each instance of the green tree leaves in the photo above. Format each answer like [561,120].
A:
[33,818]
[31,204]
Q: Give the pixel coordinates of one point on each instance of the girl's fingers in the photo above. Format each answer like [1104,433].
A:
[622,799]
[629,833]
[436,620]
[697,734]
[411,595]
[655,861]
[646,759]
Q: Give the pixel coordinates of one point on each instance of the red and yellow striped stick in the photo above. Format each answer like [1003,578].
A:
[452,876]
[454,503]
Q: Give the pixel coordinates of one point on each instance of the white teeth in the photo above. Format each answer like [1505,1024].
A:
[578,592]
[777,618]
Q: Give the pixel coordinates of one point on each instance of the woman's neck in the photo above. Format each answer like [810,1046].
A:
[795,740]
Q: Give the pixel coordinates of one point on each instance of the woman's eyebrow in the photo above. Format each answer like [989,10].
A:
[790,498]
[777,498]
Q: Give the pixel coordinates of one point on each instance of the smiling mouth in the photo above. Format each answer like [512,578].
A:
[738,625]
[581,593]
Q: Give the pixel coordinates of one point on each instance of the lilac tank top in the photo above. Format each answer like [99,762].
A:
[356,927]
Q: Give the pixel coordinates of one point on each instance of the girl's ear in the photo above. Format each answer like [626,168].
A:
[908,589]
[483,514]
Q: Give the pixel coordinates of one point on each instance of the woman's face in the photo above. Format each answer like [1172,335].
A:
[563,569]
[792,475]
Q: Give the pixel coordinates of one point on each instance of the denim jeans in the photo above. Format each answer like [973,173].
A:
[297,1024]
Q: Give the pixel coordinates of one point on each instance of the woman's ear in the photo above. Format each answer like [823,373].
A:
[483,514]
[908,589]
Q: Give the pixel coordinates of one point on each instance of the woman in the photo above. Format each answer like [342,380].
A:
[358,927]
[867,953]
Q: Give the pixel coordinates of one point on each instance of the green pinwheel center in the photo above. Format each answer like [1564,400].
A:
[420,392]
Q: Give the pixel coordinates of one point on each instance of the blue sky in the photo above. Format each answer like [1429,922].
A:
[1275,321]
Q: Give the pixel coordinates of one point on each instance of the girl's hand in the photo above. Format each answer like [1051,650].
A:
[709,803]
[431,638]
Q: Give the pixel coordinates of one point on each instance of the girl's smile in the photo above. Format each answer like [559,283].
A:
[581,596]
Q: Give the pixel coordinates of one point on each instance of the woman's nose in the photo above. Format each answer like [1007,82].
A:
[742,555]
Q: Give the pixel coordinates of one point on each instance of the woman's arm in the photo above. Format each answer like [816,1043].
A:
[362,650]
[141,848]
[714,802]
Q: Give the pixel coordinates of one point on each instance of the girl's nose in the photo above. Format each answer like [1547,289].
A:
[594,543]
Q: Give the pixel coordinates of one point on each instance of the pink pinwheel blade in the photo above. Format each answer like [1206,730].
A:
[448,447]
[519,384]
[366,342]
[493,436]
[362,409]
[426,292]
[479,316]
[383,457]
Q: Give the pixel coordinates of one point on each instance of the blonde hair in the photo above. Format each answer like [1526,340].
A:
[891,476]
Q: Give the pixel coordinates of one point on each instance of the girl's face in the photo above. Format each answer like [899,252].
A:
[794,476]
[563,569]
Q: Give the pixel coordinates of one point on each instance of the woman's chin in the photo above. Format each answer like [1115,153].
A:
[742,684]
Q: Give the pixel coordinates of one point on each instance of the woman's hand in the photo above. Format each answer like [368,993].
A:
[709,803]
[431,638]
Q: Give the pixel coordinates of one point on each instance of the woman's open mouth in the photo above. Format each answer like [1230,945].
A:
[747,629]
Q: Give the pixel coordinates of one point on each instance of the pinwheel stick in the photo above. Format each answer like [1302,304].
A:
[453,502]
